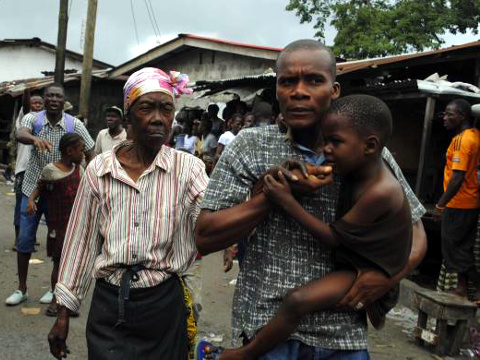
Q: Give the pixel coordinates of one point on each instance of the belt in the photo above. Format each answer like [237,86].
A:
[130,274]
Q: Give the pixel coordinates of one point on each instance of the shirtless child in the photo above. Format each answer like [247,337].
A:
[373,229]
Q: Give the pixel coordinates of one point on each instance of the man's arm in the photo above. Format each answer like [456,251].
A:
[81,130]
[217,230]
[98,144]
[24,136]
[454,185]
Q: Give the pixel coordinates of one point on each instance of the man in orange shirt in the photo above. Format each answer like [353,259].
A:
[459,206]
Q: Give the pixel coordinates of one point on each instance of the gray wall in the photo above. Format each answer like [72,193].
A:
[201,64]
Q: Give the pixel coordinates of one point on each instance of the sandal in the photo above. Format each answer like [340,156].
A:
[206,351]
[52,310]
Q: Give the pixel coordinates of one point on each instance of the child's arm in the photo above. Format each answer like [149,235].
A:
[279,192]
[32,205]
[374,204]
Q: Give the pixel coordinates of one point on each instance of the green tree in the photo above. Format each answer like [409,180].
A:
[372,28]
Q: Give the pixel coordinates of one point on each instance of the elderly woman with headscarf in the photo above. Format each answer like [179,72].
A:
[132,229]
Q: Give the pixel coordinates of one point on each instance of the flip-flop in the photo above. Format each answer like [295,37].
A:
[204,348]
[52,310]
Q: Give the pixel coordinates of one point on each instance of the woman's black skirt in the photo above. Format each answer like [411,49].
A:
[155,325]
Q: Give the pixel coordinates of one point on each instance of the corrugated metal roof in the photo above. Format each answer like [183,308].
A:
[351,66]
[17,87]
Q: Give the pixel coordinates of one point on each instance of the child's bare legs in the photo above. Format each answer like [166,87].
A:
[53,308]
[314,296]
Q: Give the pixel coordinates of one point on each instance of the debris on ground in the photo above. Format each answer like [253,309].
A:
[30,311]
[35,261]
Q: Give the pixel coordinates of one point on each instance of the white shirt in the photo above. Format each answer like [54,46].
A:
[226,138]
[106,142]
[189,143]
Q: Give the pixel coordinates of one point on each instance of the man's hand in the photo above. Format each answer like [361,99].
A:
[58,334]
[437,214]
[31,207]
[369,286]
[43,145]
[304,178]
[228,256]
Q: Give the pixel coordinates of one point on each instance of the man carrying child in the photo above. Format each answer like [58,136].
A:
[282,255]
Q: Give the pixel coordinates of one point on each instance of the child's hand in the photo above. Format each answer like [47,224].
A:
[279,192]
[31,207]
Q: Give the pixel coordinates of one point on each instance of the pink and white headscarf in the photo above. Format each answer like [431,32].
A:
[151,79]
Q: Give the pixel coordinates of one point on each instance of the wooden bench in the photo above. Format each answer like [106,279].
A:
[451,313]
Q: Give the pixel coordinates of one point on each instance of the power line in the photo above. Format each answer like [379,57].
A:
[154,18]
[134,22]
[151,21]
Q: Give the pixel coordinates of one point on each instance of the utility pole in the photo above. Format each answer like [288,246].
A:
[88,59]
[61,41]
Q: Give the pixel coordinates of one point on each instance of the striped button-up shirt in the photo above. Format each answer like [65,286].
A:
[117,222]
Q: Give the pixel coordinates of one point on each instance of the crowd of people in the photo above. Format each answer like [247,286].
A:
[325,222]
[205,134]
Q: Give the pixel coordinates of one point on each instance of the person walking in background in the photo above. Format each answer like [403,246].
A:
[114,133]
[32,103]
[43,130]
[218,124]
[227,137]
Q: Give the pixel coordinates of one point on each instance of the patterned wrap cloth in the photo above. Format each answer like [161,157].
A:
[151,79]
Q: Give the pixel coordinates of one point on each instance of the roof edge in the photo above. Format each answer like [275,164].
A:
[36,41]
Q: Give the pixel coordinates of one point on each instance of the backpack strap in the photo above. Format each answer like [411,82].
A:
[40,121]
[69,123]
[38,124]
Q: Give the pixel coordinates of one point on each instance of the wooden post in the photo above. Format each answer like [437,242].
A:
[427,129]
[477,73]
[61,41]
[88,59]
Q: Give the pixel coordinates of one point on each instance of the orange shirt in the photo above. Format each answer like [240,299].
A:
[463,154]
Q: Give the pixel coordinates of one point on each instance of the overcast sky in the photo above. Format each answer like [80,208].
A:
[261,22]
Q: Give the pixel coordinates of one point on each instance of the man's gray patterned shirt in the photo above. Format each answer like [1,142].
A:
[281,255]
